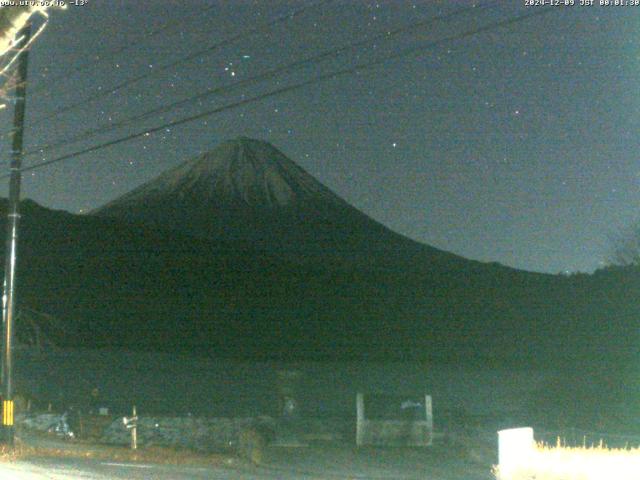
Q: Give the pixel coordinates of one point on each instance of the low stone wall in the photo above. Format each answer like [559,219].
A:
[396,433]
[187,432]
[39,422]
[206,434]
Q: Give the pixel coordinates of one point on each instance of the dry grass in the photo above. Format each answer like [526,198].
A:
[251,446]
[154,454]
[8,454]
[577,463]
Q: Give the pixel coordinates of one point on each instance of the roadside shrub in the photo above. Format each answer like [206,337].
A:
[253,440]
[251,445]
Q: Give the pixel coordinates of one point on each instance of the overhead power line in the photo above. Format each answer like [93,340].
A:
[90,63]
[290,88]
[179,61]
[256,78]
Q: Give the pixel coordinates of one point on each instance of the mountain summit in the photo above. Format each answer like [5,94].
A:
[238,174]
[247,190]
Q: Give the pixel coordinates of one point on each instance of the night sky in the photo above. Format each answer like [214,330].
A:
[518,144]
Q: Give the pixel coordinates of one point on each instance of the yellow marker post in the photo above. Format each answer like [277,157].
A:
[7,413]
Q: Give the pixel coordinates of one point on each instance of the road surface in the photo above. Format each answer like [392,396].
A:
[318,463]
[91,469]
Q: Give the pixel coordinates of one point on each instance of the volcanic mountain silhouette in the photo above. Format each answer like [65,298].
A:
[246,190]
[241,253]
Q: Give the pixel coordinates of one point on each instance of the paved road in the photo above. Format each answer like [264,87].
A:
[322,461]
[292,466]
[90,469]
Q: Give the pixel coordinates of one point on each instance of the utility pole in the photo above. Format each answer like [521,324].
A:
[11,254]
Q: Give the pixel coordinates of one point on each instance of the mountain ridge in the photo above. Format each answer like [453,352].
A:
[304,276]
[247,190]
[115,284]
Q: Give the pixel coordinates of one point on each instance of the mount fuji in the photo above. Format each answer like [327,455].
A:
[248,191]
[241,253]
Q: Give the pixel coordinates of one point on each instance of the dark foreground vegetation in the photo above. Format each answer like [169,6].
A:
[104,282]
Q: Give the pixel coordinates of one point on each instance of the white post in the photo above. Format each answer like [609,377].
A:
[360,419]
[428,406]
[515,449]
[134,431]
